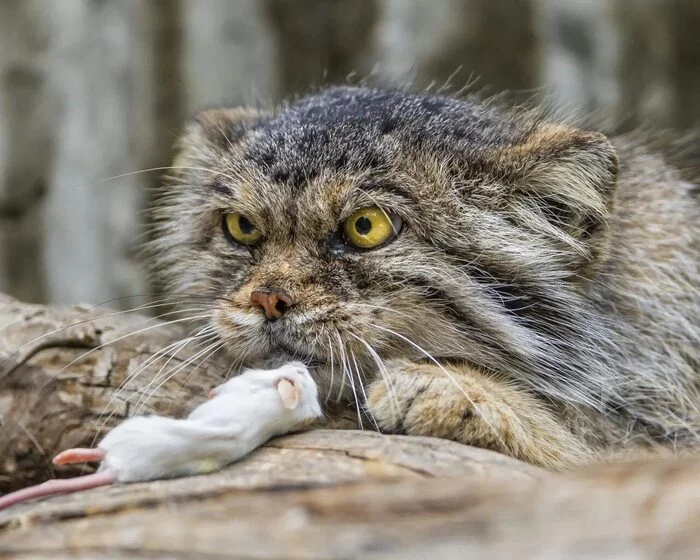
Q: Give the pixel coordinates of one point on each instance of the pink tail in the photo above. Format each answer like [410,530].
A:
[78,455]
[58,486]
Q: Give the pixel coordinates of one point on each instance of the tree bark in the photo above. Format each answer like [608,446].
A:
[326,493]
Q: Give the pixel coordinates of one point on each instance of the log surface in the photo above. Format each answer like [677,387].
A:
[326,493]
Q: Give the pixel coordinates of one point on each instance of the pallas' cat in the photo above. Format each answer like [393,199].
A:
[461,271]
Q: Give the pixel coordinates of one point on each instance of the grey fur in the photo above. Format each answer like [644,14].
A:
[550,255]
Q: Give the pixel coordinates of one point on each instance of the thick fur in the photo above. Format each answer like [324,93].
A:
[541,299]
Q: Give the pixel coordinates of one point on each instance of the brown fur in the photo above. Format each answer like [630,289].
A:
[541,300]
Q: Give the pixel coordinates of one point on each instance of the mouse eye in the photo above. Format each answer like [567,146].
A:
[240,229]
[368,228]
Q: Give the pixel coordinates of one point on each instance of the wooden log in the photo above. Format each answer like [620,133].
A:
[325,493]
[60,377]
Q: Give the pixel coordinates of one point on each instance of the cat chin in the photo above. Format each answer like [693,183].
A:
[283,344]
[281,354]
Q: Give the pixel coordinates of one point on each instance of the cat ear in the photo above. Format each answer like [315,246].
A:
[562,180]
[289,392]
[222,128]
[208,136]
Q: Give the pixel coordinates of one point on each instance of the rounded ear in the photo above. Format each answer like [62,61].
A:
[222,128]
[207,137]
[289,392]
[562,181]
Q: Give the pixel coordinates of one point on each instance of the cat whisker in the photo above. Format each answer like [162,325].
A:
[212,349]
[201,336]
[354,395]
[381,368]
[111,300]
[235,365]
[151,305]
[364,394]
[331,360]
[383,308]
[223,343]
[167,168]
[347,371]
[162,353]
[206,352]
[102,420]
[39,347]
[133,333]
[342,363]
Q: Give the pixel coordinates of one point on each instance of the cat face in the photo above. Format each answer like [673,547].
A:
[360,225]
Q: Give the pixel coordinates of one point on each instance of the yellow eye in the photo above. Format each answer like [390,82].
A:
[370,227]
[241,229]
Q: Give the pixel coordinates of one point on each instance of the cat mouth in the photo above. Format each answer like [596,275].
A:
[294,353]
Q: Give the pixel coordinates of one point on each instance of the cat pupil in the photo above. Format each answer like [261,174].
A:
[246,225]
[363,225]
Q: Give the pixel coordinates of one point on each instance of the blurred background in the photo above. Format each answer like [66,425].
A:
[93,91]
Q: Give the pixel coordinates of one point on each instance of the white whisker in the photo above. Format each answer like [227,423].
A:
[381,368]
[207,351]
[167,168]
[330,385]
[342,363]
[346,368]
[139,331]
[162,353]
[364,394]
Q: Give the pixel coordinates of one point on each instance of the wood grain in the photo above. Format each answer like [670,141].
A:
[326,493]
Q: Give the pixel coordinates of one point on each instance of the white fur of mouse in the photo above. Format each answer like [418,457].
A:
[242,415]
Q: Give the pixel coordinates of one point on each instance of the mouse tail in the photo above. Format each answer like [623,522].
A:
[78,455]
[58,486]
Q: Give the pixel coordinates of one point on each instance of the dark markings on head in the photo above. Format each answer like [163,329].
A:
[219,187]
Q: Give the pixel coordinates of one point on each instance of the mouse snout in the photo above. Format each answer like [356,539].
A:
[296,369]
[296,365]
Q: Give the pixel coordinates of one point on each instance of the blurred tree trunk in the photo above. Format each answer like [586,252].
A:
[93,90]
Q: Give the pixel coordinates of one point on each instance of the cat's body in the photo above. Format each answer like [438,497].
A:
[538,294]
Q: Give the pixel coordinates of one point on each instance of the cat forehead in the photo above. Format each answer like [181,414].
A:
[357,130]
[315,203]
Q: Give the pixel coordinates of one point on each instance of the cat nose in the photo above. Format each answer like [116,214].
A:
[275,303]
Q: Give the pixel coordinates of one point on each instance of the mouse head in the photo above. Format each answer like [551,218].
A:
[297,390]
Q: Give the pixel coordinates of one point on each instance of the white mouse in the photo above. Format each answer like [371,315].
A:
[241,415]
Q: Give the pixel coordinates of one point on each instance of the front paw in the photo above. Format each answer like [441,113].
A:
[425,400]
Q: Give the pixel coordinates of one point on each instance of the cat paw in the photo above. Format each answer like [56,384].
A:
[424,400]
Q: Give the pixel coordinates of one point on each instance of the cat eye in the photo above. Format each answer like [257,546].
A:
[240,229]
[368,228]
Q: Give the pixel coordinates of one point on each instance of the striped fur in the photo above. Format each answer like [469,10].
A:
[545,269]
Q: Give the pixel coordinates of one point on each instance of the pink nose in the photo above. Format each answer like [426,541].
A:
[275,303]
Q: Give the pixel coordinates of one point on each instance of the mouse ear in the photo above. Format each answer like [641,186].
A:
[289,393]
